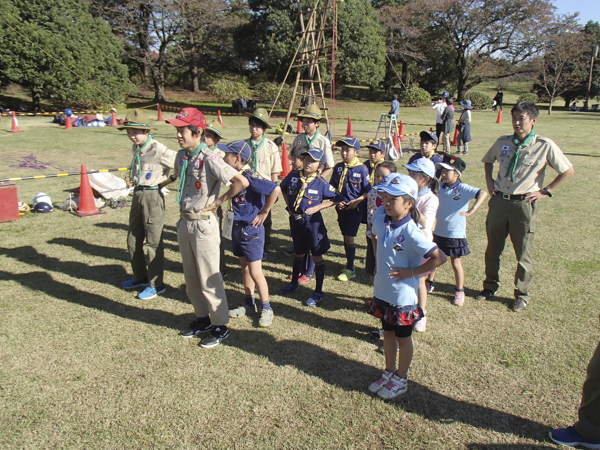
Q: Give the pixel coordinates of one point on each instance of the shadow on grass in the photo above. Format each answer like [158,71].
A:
[355,376]
[473,446]
[167,235]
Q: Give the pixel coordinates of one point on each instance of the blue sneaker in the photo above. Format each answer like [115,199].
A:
[315,299]
[571,438]
[134,284]
[288,289]
[151,292]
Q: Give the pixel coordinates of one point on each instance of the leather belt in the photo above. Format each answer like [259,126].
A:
[506,196]
[196,216]
[298,216]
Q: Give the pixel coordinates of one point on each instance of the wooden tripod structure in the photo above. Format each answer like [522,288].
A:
[310,54]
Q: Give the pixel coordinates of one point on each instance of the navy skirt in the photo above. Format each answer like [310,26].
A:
[455,248]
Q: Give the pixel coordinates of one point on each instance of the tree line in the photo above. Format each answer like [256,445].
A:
[94,52]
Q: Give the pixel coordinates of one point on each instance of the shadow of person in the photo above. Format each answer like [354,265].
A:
[473,446]
[167,235]
[92,249]
[447,290]
[352,375]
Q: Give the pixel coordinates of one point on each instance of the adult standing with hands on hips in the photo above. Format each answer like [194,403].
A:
[519,185]
[201,172]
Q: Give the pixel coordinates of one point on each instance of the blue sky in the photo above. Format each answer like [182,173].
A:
[588,9]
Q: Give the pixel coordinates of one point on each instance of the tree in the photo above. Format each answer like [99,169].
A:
[592,31]
[60,52]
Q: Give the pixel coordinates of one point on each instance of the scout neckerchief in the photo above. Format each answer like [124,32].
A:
[514,161]
[242,171]
[351,165]
[305,182]
[184,166]
[373,167]
[423,192]
[310,141]
[137,162]
[255,147]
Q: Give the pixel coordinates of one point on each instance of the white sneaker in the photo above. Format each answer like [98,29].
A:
[421,325]
[385,377]
[395,387]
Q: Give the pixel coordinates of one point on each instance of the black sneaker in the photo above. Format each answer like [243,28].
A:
[196,328]
[215,337]
[486,294]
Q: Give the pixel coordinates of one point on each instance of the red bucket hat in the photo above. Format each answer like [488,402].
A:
[188,116]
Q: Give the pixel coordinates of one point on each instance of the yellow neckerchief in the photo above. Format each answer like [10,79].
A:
[373,167]
[355,162]
[305,182]
[242,171]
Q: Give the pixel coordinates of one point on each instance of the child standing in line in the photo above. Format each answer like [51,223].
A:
[376,156]
[450,229]
[401,247]
[374,202]
[351,179]
[304,191]
[250,210]
[464,128]
[422,171]
[429,144]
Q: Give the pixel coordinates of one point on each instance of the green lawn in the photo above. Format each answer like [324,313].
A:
[84,364]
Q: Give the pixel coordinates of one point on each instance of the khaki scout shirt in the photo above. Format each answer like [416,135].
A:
[533,159]
[268,160]
[322,142]
[156,162]
[205,173]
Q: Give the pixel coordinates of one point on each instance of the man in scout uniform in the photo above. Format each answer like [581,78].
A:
[149,173]
[519,185]
[201,173]
[265,158]
[311,138]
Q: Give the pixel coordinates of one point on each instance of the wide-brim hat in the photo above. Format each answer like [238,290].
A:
[312,112]
[466,104]
[259,114]
[452,163]
[216,128]
[136,119]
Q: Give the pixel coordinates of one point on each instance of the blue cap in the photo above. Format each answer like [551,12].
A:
[315,153]
[427,136]
[397,185]
[446,94]
[350,142]
[377,144]
[422,165]
[240,148]
[68,112]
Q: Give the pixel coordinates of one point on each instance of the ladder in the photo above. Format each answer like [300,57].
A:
[389,124]
[310,53]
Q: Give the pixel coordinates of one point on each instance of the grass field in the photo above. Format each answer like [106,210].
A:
[84,364]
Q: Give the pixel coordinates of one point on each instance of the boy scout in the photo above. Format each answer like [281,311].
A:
[201,173]
[265,158]
[149,172]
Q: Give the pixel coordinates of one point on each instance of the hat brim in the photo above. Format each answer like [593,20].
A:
[311,156]
[253,116]
[178,123]
[392,191]
[134,126]
[309,116]
[214,130]
[465,106]
[425,136]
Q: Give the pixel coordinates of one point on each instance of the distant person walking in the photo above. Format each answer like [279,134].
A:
[498,100]
[464,128]
[447,125]
[395,109]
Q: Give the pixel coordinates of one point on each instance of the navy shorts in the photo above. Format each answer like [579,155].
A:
[247,241]
[370,263]
[349,221]
[309,235]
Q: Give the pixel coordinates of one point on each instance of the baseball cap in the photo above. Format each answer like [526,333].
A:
[188,116]
[422,165]
[350,142]
[397,185]
[452,163]
[315,153]
[446,94]
[377,145]
[240,148]
[427,136]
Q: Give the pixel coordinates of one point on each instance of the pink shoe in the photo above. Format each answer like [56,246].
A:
[459,298]
[304,279]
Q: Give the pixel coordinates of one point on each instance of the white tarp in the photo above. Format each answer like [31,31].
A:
[109,186]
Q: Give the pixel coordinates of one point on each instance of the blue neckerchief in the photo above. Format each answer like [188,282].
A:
[423,192]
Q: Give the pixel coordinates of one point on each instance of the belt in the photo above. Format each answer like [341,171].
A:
[243,223]
[298,216]
[145,188]
[506,196]
[196,216]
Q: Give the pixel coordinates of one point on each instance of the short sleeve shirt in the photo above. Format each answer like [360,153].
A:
[533,160]
[428,204]
[156,162]
[454,199]
[373,202]
[268,160]
[356,181]
[321,141]
[400,244]
[314,194]
[205,173]
[248,202]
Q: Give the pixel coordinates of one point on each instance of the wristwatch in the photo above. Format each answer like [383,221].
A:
[547,192]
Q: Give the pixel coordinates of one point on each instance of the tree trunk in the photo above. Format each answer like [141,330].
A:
[389,76]
[463,77]
[550,105]
[405,79]
[194,69]
[158,78]
[36,100]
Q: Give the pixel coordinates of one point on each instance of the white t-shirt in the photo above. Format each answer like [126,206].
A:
[427,204]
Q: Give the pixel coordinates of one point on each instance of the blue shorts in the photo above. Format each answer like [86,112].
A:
[309,234]
[247,241]
[349,221]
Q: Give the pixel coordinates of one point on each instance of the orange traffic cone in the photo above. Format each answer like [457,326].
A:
[87,204]
[219,117]
[349,132]
[454,142]
[401,132]
[15,124]
[68,123]
[285,162]
[396,142]
[499,119]
[113,120]
[159,112]
[299,129]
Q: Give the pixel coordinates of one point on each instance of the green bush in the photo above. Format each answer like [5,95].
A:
[479,100]
[268,91]
[226,90]
[529,97]
[416,96]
